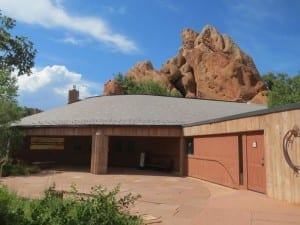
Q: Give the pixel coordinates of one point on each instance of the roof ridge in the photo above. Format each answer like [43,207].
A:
[174,97]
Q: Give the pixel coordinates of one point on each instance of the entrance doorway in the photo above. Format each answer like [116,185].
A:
[256,171]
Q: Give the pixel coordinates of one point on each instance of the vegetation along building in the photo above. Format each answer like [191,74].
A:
[239,145]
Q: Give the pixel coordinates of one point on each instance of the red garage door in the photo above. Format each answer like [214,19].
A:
[215,159]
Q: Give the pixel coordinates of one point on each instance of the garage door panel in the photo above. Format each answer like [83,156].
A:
[215,171]
[215,159]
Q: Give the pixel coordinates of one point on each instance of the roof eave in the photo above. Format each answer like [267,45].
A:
[288,107]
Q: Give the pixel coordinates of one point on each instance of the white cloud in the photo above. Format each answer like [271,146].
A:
[49,14]
[72,40]
[48,87]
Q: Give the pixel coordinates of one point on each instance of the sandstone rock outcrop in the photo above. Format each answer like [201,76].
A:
[221,69]
[260,98]
[112,87]
[208,65]
[145,71]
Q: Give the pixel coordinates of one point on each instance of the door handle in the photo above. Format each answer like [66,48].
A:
[262,162]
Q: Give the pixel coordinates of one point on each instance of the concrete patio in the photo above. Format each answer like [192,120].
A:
[168,199]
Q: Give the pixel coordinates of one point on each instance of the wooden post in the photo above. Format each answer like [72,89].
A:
[182,163]
[99,159]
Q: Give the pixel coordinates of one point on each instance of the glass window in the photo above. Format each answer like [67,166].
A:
[190,146]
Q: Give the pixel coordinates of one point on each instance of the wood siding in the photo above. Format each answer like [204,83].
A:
[281,182]
[138,131]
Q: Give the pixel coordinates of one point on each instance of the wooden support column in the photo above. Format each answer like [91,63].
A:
[99,159]
[182,160]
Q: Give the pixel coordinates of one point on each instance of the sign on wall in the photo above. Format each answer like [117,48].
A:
[47,143]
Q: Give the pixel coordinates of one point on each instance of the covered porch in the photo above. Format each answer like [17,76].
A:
[104,147]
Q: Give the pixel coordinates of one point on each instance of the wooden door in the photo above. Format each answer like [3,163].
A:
[256,162]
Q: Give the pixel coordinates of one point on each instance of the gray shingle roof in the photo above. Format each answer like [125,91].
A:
[137,110]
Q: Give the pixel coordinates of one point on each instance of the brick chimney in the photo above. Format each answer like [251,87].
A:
[73,95]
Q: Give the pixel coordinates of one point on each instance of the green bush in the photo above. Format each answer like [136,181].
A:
[13,169]
[68,208]
[5,201]
[145,87]
[16,169]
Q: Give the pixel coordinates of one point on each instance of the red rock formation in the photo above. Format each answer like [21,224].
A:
[221,69]
[260,98]
[208,65]
[145,71]
[112,87]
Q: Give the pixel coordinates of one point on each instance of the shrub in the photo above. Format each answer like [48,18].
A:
[145,87]
[17,168]
[98,207]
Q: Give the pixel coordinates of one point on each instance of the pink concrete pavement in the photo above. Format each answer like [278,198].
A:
[170,200]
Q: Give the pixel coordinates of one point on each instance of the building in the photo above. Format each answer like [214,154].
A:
[238,145]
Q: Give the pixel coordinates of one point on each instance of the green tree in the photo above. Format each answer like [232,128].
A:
[127,83]
[145,87]
[10,112]
[283,89]
[16,53]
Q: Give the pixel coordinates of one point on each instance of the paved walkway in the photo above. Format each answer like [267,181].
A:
[171,200]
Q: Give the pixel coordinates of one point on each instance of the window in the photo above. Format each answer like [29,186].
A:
[190,146]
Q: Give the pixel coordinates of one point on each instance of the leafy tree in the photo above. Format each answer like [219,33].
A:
[16,53]
[9,112]
[145,87]
[283,89]
[127,83]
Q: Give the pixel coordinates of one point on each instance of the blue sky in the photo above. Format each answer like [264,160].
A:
[86,42]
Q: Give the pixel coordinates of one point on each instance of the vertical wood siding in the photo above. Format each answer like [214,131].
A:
[282,182]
